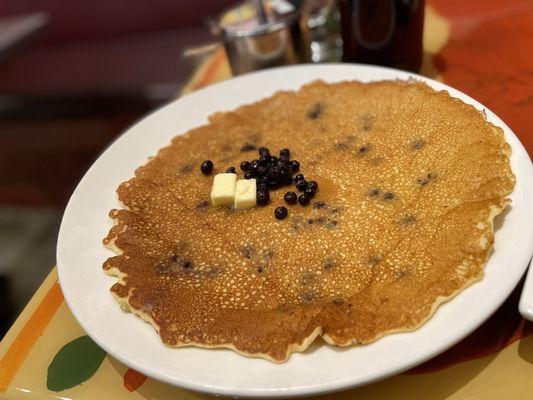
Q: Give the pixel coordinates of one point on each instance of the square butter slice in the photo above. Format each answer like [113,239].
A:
[245,194]
[223,191]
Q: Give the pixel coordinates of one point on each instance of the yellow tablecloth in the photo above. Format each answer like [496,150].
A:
[42,357]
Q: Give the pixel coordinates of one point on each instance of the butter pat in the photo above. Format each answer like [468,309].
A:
[245,194]
[223,191]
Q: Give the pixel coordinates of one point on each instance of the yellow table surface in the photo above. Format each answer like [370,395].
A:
[494,362]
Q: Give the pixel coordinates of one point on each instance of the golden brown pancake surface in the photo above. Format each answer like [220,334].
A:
[410,180]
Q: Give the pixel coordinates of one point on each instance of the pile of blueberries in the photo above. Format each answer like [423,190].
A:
[272,173]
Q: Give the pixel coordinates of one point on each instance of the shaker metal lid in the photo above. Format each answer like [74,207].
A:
[243,19]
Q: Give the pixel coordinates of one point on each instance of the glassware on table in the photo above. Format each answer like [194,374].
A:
[257,37]
[384,32]
[323,23]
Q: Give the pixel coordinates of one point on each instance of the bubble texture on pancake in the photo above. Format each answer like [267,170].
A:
[410,182]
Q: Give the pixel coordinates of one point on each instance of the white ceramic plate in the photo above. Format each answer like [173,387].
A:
[80,255]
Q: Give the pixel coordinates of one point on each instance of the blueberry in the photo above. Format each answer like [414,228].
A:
[254,164]
[245,166]
[363,149]
[248,175]
[309,192]
[303,199]
[273,173]
[283,171]
[207,167]
[285,153]
[264,152]
[262,187]
[299,177]
[295,166]
[262,197]
[248,147]
[285,160]
[316,111]
[261,169]
[280,212]
[273,183]
[312,185]
[290,198]
[231,170]
[374,192]
[388,196]
[301,185]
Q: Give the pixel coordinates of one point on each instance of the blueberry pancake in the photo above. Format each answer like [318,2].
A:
[407,182]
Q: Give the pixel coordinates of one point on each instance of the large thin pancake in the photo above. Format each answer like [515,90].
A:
[410,182]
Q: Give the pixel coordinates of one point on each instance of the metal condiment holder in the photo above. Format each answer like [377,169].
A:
[267,43]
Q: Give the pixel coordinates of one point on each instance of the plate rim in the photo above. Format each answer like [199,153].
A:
[322,388]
